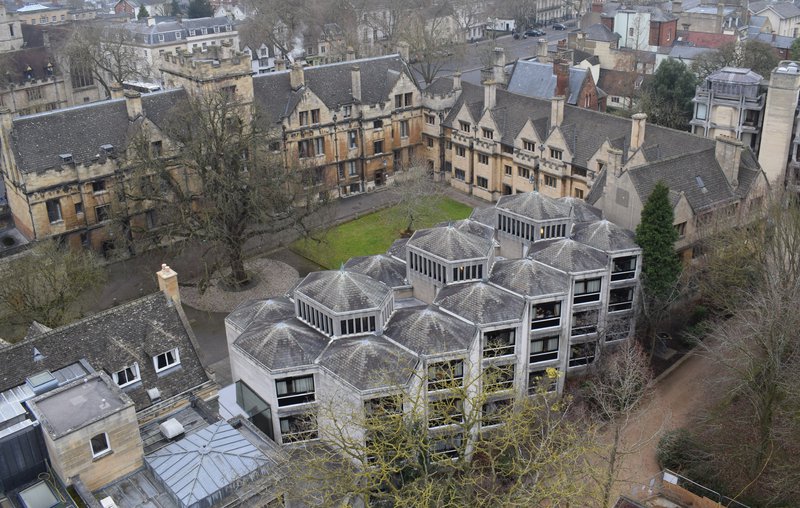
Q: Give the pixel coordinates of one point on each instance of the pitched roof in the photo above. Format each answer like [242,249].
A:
[429,331]
[580,210]
[534,205]
[480,303]
[600,32]
[343,291]
[774,40]
[604,235]
[528,277]
[368,362]
[269,310]
[111,340]
[784,10]
[398,248]
[621,83]
[486,216]
[705,40]
[536,79]
[470,226]
[735,75]
[568,255]
[282,344]
[380,267]
[451,243]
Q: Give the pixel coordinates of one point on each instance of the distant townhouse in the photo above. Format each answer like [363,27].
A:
[784,17]
[153,7]
[489,303]
[544,80]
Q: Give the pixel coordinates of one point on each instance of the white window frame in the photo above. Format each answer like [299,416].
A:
[134,368]
[177,358]
[104,451]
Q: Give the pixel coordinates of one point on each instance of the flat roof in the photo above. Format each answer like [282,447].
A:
[78,404]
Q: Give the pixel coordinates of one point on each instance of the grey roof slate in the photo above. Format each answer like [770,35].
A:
[486,216]
[331,83]
[480,303]
[735,75]
[398,248]
[600,32]
[368,362]
[536,79]
[429,331]
[380,267]
[207,465]
[112,340]
[688,52]
[440,86]
[785,10]
[529,278]
[535,206]
[343,291]
[282,344]
[568,255]
[149,34]
[267,311]
[580,210]
[470,226]
[604,235]
[451,243]
[778,41]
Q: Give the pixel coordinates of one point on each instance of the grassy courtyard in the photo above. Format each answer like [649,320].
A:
[370,234]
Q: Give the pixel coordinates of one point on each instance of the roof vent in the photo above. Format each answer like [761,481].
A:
[107,149]
[108,502]
[37,355]
[154,394]
[171,428]
[66,158]
[42,382]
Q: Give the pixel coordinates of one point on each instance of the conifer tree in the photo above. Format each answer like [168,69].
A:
[143,14]
[656,235]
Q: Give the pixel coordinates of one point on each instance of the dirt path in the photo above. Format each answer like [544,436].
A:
[677,396]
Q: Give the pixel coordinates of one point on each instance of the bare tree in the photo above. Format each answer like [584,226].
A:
[44,284]
[277,23]
[416,193]
[429,33]
[220,182]
[108,53]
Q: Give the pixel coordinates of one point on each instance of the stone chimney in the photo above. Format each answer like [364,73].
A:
[456,81]
[355,83]
[403,50]
[541,50]
[561,70]
[499,66]
[720,16]
[297,77]
[489,94]
[728,152]
[133,102]
[168,283]
[638,124]
[614,162]
[280,64]
[351,53]
[151,21]
[117,92]
[556,111]
[677,7]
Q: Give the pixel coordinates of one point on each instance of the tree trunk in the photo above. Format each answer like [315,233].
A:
[612,467]
[238,275]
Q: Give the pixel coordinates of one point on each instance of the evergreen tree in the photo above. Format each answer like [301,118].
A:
[143,14]
[200,9]
[656,235]
[667,97]
[175,8]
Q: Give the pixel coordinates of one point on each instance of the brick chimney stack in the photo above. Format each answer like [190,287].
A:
[561,70]
[168,283]
[297,77]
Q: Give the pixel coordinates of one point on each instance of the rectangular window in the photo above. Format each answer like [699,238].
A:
[523,172]
[460,174]
[303,117]
[295,428]
[680,229]
[78,208]
[408,99]
[295,390]
[352,137]
[347,111]
[464,126]
[483,159]
[620,299]
[487,133]
[377,124]
[443,375]
[352,169]
[446,411]
[582,354]
[315,116]
[127,376]
[398,101]
[508,170]
[550,181]
[98,186]
[377,146]
[447,448]
[103,213]
[624,268]
[499,377]
[538,379]
[493,412]
[53,210]
[430,119]
[319,146]
[404,128]
[528,145]
[579,193]
[499,343]
[556,154]
[546,315]
[587,291]
[34,94]
[156,148]
[544,349]
[160,37]
[482,182]
[166,360]
[429,141]
[100,445]
[584,323]
[460,151]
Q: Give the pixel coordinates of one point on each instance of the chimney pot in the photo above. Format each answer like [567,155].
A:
[638,124]
[133,102]
[168,283]
[280,64]
[456,81]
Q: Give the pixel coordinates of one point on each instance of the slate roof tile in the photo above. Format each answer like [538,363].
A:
[429,331]
[283,344]
[528,277]
[604,235]
[481,303]
[344,291]
[380,267]
[568,255]
[534,205]
[368,362]
[451,243]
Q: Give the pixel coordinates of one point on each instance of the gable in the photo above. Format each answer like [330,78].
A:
[527,133]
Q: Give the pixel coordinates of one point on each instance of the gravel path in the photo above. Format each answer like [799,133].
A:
[274,279]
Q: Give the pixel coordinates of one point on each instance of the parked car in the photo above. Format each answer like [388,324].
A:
[517,35]
[559,26]
[535,32]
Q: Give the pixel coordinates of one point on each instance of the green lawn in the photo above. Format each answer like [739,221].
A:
[370,234]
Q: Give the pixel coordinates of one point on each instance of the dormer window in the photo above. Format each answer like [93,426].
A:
[192,33]
[98,186]
[108,150]
[464,126]
[166,360]
[127,376]
[178,35]
[66,158]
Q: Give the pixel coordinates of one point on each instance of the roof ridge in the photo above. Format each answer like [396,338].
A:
[668,159]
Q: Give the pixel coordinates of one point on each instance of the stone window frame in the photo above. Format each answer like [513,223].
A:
[96,454]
